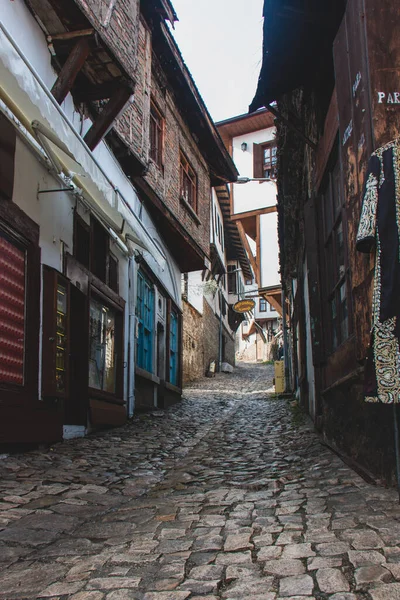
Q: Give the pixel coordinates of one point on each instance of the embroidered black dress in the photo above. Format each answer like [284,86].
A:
[379,230]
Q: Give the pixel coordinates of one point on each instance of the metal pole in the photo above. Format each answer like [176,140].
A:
[396,445]
[220,331]
[285,341]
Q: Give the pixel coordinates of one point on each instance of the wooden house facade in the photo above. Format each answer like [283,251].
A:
[334,90]
[108,156]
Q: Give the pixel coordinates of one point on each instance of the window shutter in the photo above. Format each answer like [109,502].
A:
[7,158]
[257,160]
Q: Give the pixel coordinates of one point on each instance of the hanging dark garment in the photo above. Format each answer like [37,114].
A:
[379,231]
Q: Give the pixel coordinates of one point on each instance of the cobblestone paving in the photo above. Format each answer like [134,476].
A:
[225,496]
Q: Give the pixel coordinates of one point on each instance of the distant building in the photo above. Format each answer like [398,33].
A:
[250,140]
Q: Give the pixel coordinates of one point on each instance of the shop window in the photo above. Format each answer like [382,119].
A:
[334,260]
[263,305]
[188,180]
[145,319]
[156,134]
[92,250]
[12,310]
[174,348]
[102,347]
[265,159]
[55,348]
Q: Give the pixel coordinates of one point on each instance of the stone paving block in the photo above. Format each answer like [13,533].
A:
[267,596]
[249,588]
[269,553]
[362,558]
[332,549]
[300,585]
[27,582]
[322,562]
[235,572]
[288,537]
[331,581]
[234,543]
[175,595]
[371,574]
[263,540]
[89,596]
[363,540]
[284,567]
[389,591]
[394,568]
[208,543]
[343,596]
[163,585]
[200,587]
[297,551]
[29,537]
[61,589]
[234,558]
[111,583]
[205,572]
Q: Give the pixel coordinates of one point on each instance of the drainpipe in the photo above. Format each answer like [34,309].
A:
[220,331]
[131,338]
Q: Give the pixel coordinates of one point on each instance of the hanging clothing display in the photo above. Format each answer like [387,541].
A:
[379,231]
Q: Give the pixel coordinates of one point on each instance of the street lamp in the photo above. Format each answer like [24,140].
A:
[247,179]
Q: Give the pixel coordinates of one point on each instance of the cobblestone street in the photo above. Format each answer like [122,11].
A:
[228,495]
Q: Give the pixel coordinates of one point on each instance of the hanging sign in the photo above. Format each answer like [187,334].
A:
[244,306]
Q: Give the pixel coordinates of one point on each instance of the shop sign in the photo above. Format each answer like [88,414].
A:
[244,306]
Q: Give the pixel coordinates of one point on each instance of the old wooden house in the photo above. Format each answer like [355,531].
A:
[330,74]
[108,156]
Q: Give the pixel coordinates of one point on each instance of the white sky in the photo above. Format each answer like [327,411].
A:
[221,43]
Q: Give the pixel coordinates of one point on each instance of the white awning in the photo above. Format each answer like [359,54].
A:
[29,99]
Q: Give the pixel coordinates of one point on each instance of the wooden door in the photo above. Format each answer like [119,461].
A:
[76,406]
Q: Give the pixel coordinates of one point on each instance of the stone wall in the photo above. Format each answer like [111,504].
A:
[193,349]
[211,338]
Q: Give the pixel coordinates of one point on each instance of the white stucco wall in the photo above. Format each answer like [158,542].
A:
[252,195]
[17,19]
[269,250]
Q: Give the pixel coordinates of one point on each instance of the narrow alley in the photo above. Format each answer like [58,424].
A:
[229,494]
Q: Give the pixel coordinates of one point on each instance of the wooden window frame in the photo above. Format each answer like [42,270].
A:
[188,180]
[148,332]
[264,303]
[99,294]
[260,167]
[334,257]
[157,127]
[89,229]
[51,279]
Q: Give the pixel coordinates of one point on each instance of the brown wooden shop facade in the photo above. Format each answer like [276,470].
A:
[337,90]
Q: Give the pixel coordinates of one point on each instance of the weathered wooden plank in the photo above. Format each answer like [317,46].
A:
[70,70]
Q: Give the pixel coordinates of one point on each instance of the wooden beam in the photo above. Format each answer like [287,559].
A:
[70,70]
[246,244]
[253,213]
[70,35]
[107,116]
